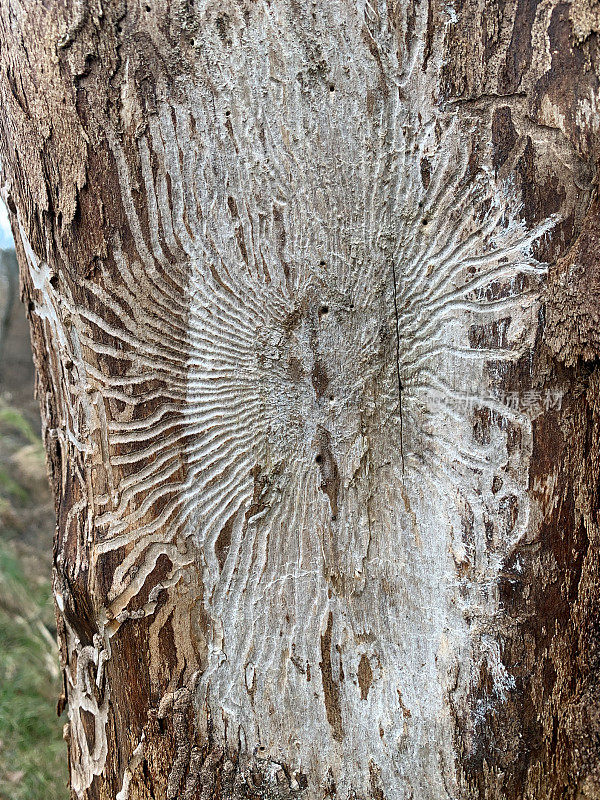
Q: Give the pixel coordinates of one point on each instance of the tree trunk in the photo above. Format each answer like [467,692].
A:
[313,291]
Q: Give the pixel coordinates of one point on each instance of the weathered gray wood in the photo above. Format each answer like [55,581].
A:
[312,290]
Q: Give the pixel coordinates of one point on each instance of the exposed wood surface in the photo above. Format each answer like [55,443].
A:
[314,291]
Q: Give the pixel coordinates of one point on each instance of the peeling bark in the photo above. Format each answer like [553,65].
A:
[313,299]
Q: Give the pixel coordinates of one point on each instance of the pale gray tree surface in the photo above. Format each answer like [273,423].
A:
[313,291]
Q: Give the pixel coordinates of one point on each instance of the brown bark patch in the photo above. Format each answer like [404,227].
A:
[330,476]
[365,676]
[224,541]
[573,310]
[331,690]
[504,135]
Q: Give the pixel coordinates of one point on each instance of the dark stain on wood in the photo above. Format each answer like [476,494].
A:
[331,690]
[320,381]
[504,136]
[365,676]
[425,167]
[223,541]
[330,477]
[89,727]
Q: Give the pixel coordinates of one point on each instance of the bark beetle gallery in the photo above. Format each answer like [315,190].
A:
[313,291]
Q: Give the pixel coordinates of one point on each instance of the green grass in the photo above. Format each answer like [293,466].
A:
[13,419]
[32,753]
[10,487]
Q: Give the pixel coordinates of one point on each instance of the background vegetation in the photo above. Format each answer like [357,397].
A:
[33,762]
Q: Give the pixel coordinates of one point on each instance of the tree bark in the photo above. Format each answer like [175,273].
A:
[313,291]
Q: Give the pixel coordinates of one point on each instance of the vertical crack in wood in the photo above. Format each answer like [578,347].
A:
[400,387]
